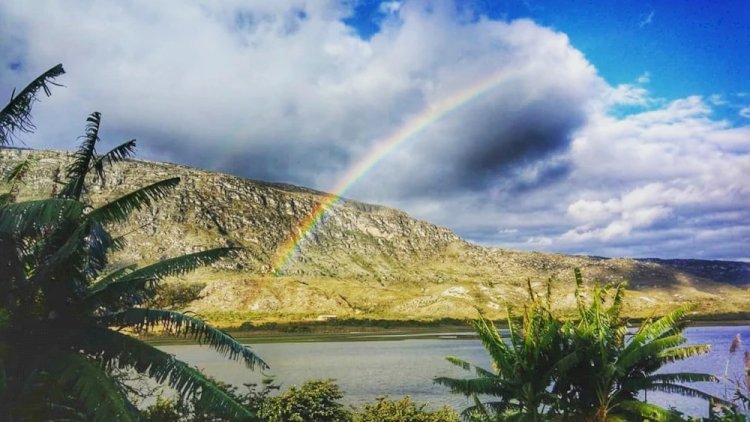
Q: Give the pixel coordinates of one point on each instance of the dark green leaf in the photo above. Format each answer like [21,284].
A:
[16,115]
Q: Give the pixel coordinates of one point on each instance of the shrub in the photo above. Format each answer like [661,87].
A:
[403,410]
[316,400]
[177,295]
[164,410]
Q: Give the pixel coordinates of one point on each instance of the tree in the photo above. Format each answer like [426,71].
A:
[591,369]
[63,308]
[524,366]
[316,400]
[613,367]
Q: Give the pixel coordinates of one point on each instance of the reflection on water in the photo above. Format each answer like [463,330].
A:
[369,369]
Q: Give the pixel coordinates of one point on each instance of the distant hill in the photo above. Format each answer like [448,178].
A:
[365,260]
[732,272]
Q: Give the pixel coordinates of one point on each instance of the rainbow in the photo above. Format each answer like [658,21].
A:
[381,149]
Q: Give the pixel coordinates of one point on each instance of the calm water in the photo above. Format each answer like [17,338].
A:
[369,369]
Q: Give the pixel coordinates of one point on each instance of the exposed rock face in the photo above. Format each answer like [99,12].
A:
[363,259]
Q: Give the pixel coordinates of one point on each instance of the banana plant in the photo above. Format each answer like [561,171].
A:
[525,364]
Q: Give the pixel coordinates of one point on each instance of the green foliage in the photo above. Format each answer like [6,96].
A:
[316,400]
[590,369]
[92,385]
[164,410]
[525,364]
[612,367]
[402,410]
[63,307]
[191,409]
[16,115]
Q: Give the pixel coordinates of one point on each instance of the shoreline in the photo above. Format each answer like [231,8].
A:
[317,331]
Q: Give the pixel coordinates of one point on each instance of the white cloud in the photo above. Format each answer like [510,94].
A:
[717,100]
[539,241]
[389,7]
[655,171]
[628,95]
[745,112]
[647,19]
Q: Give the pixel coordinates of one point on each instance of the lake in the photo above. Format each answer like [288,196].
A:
[406,366]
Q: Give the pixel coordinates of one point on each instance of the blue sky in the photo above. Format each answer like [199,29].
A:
[622,128]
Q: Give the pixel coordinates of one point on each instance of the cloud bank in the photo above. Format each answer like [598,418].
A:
[288,92]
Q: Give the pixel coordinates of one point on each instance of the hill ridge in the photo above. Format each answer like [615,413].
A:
[365,259]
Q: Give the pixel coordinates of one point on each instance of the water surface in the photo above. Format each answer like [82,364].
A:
[366,370]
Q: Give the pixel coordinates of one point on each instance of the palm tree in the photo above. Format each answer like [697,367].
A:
[613,367]
[63,308]
[525,364]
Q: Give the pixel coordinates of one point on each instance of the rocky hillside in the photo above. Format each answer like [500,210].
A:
[364,260]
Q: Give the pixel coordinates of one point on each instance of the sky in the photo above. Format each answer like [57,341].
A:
[613,128]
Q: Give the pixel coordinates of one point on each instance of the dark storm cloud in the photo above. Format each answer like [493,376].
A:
[491,143]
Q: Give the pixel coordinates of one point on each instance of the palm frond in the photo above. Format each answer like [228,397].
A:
[493,343]
[459,362]
[98,245]
[88,382]
[17,173]
[563,365]
[653,348]
[114,275]
[115,155]
[485,411]
[123,351]
[119,209]
[137,286]
[649,411]
[467,366]
[684,391]
[76,172]
[617,300]
[179,324]
[28,217]
[656,328]
[64,252]
[469,386]
[664,382]
[683,377]
[683,352]
[677,328]
[16,115]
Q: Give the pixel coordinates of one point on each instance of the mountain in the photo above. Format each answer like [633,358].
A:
[364,260]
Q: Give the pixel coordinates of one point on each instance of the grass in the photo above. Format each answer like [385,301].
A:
[242,300]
